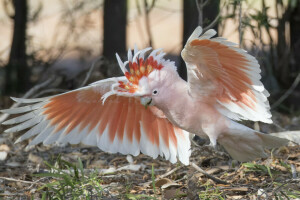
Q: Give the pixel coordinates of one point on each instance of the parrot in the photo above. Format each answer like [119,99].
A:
[152,110]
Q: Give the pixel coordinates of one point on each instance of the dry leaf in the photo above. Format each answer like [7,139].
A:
[4,147]
[165,183]
[35,159]
[237,189]
[162,182]
[173,193]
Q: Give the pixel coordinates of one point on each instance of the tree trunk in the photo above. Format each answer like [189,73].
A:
[115,12]
[295,38]
[210,12]
[190,22]
[17,72]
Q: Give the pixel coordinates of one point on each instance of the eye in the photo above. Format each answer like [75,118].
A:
[155,92]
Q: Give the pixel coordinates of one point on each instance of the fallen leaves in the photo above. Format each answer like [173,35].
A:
[131,177]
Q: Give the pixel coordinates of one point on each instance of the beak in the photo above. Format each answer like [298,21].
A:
[146,101]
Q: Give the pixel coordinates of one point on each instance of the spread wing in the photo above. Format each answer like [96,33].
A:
[225,76]
[121,124]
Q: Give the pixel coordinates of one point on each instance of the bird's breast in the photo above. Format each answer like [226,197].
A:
[192,116]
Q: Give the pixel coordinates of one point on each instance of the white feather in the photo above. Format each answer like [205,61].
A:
[23,109]
[91,138]
[33,131]
[21,100]
[129,55]
[42,136]
[25,125]
[53,137]
[197,32]
[22,118]
[208,34]
[121,64]
[146,146]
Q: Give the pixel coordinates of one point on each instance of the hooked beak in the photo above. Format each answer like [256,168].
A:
[146,101]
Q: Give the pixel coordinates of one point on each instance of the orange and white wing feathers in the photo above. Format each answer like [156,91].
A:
[225,76]
[121,124]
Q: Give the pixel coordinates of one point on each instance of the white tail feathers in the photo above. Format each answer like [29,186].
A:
[293,136]
[245,144]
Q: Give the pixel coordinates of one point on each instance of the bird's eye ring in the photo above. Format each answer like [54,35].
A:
[155,92]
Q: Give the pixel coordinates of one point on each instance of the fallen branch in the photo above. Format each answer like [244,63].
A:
[20,181]
[164,175]
[208,175]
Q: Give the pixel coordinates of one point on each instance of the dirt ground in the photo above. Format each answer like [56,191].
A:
[126,177]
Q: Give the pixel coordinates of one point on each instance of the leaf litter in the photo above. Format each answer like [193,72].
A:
[26,174]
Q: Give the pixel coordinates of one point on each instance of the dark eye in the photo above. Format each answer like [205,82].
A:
[155,92]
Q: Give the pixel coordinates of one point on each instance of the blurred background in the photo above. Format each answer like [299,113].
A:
[47,47]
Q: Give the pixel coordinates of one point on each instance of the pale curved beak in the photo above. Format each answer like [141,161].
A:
[146,101]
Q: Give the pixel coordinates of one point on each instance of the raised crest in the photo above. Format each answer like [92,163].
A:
[139,67]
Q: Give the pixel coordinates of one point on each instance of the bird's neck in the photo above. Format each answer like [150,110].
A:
[177,102]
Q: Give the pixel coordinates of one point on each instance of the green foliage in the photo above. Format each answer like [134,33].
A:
[210,192]
[143,196]
[68,181]
[153,179]
[140,196]
[261,169]
[281,190]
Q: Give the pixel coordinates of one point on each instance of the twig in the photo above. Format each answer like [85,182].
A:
[213,23]
[51,90]
[20,181]
[147,20]
[294,171]
[57,90]
[287,93]
[208,175]
[88,75]
[200,12]
[284,184]
[33,90]
[164,175]
[240,24]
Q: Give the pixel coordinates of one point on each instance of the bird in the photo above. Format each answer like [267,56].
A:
[152,110]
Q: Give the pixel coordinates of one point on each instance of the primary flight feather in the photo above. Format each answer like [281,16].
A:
[152,110]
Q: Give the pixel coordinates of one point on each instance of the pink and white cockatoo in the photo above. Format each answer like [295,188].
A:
[152,110]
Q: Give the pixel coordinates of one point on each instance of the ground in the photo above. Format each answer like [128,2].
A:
[76,171]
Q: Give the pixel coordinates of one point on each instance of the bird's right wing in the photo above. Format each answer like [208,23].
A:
[121,124]
[226,77]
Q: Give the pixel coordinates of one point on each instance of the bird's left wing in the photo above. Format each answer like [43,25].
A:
[120,124]
[226,77]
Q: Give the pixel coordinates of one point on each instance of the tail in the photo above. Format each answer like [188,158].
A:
[245,144]
[293,136]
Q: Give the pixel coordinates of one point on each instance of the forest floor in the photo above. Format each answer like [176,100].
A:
[88,173]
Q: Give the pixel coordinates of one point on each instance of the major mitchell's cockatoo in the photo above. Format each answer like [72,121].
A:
[151,109]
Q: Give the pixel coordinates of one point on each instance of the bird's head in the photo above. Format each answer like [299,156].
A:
[146,77]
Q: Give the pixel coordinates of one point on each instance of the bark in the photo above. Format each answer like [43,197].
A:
[115,12]
[210,12]
[190,22]
[295,38]
[17,72]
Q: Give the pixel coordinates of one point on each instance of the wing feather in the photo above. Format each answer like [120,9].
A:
[225,76]
[121,124]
